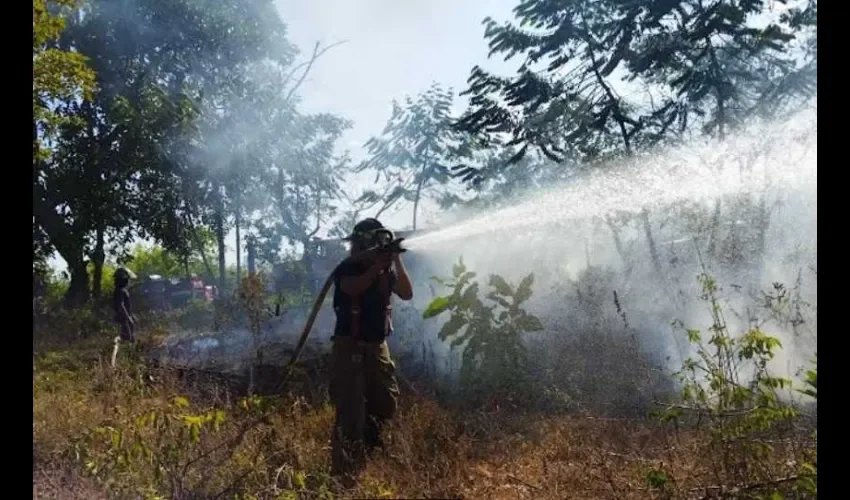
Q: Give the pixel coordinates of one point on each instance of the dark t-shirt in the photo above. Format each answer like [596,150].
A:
[373,315]
[120,297]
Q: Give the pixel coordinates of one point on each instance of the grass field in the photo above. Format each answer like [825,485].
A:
[143,432]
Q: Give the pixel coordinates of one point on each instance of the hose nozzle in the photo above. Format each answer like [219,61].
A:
[386,242]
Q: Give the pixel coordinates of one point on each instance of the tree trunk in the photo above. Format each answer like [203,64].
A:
[252,256]
[618,242]
[78,291]
[763,221]
[219,234]
[416,199]
[653,250]
[713,231]
[238,251]
[721,134]
[68,243]
[98,257]
[199,244]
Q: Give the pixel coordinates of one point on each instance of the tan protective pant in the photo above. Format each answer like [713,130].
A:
[364,390]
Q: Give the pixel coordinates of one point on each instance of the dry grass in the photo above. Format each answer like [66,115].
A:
[433,451]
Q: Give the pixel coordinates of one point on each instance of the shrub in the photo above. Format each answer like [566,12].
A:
[494,356]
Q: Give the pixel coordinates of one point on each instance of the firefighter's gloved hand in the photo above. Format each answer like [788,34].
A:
[382,261]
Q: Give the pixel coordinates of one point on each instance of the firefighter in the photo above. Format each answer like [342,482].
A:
[363,386]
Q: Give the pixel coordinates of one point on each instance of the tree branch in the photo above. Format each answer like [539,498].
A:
[317,53]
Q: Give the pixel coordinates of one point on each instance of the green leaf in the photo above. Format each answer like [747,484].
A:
[464,279]
[459,268]
[657,479]
[529,323]
[299,480]
[452,326]
[116,438]
[180,402]
[195,433]
[470,299]
[523,291]
[499,300]
[693,335]
[501,286]
[436,307]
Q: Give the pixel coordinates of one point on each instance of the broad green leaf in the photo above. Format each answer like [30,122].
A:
[529,323]
[501,286]
[470,299]
[499,300]
[459,268]
[523,291]
[464,279]
[436,307]
[452,326]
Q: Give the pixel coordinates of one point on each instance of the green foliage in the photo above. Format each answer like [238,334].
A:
[53,287]
[57,74]
[413,153]
[75,324]
[658,480]
[739,412]
[196,314]
[165,146]
[163,442]
[493,351]
[303,182]
[155,260]
[146,261]
[807,482]
[689,63]
[811,381]
[252,299]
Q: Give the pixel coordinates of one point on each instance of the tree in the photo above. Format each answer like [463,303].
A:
[722,68]
[304,182]
[508,180]
[130,163]
[694,62]
[413,153]
[299,178]
[690,52]
[58,75]
[146,261]
[272,168]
